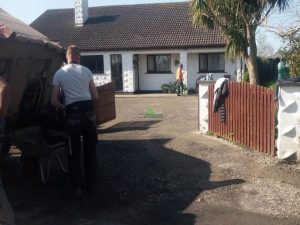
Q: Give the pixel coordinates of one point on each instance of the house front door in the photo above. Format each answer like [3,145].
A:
[116,71]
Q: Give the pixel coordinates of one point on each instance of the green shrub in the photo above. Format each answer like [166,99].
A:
[172,87]
[165,88]
[246,78]
[270,84]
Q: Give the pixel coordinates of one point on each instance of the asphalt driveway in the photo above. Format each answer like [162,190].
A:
[156,169]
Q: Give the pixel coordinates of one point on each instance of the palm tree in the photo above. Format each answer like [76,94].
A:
[238,20]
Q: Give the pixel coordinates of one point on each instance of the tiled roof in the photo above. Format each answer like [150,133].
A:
[123,27]
[18,26]
[24,32]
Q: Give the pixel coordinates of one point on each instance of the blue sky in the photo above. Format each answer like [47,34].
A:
[29,10]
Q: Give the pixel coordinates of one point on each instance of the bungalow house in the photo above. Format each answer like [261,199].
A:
[138,47]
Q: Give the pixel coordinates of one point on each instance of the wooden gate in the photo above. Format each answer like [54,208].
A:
[250,116]
[106,109]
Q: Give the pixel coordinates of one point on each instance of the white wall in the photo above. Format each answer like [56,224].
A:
[128,79]
[193,68]
[184,61]
[104,78]
[240,70]
[288,142]
[231,68]
[193,65]
[153,82]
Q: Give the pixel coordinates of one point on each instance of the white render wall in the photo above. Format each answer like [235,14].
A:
[152,82]
[240,70]
[183,58]
[193,68]
[288,142]
[128,79]
[101,79]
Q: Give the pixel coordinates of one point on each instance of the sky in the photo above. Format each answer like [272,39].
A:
[29,10]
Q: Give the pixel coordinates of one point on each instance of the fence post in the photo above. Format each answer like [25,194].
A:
[288,142]
[203,105]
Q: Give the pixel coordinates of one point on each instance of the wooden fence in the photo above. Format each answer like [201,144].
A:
[106,109]
[250,116]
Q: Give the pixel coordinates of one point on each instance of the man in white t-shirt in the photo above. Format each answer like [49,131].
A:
[77,84]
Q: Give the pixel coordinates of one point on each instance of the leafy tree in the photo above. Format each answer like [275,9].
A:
[238,21]
[291,53]
[290,36]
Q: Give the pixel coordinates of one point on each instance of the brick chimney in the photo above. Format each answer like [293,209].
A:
[81,12]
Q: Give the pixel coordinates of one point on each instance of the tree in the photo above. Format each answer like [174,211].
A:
[264,48]
[291,53]
[290,37]
[238,21]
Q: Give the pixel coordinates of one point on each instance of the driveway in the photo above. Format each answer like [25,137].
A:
[155,168]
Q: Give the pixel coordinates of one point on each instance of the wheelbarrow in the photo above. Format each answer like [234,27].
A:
[42,143]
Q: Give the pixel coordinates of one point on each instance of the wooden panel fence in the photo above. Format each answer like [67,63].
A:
[250,116]
[106,109]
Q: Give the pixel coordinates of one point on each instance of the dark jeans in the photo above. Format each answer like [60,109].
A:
[79,125]
[180,87]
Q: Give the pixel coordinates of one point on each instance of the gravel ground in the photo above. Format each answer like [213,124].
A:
[155,168]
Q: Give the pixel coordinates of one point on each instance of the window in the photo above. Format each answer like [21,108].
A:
[213,62]
[159,63]
[94,63]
